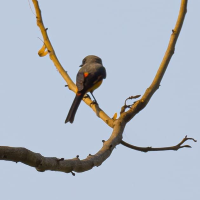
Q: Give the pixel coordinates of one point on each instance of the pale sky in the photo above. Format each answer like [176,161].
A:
[131,38]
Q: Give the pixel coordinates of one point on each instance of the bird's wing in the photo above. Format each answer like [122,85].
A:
[80,81]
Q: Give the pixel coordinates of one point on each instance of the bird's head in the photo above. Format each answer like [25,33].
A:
[91,59]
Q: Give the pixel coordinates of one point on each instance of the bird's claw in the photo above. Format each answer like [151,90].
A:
[94,102]
[87,96]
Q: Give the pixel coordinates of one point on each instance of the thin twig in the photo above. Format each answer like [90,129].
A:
[123,108]
[146,149]
[31,7]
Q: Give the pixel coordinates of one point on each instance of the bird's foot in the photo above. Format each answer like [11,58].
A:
[94,102]
[87,96]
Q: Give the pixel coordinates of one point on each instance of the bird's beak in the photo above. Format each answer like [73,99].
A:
[81,66]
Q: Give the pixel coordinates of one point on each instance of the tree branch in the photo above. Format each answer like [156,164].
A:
[140,104]
[146,149]
[41,163]
[99,112]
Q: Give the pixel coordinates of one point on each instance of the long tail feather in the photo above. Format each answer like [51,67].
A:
[73,109]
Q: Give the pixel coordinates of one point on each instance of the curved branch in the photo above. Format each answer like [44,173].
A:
[140,104]
[41,163]
[99,112]
[49,46]
[146,149]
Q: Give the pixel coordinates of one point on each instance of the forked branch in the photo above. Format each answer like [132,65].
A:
[42,163]
[174,148]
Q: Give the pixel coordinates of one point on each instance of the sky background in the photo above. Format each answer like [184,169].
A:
[131,38]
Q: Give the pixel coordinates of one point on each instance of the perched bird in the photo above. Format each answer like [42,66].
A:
[89,78]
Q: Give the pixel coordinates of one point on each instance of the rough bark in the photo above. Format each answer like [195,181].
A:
[41,163]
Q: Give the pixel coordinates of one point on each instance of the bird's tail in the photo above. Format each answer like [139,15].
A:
[73,109]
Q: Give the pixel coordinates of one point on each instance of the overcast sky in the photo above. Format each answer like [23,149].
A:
[131,38]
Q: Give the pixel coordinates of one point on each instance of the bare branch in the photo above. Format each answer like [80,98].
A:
[49,46]
[99,112]
[128,106]
[146,149]
[41,163]
[140,104]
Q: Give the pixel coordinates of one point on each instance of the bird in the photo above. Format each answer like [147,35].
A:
[88,78]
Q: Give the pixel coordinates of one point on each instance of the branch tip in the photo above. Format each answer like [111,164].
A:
[187,146]
[146,149]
